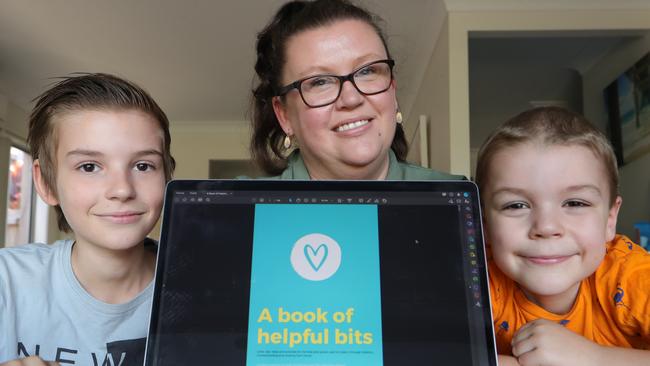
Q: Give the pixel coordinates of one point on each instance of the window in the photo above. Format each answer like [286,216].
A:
[19,198]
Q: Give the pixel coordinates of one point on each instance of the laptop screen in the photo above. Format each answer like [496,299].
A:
[321,273]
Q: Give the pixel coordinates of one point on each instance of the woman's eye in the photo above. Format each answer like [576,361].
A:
[320,82]
[143,167]
[368,70]
[88,167]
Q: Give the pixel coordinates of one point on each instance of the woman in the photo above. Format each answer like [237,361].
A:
[326,91]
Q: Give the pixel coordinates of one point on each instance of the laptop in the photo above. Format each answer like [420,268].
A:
[258,273]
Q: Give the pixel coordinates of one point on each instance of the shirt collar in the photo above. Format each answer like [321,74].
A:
[297,170]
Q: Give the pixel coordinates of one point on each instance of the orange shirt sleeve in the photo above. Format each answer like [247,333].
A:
[624,289]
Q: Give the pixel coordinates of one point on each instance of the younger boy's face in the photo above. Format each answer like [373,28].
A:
[547,218]
[110,177]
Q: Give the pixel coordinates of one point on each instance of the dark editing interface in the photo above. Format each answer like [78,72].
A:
[259,277]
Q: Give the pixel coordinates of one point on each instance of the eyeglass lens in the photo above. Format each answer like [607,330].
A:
[324,89]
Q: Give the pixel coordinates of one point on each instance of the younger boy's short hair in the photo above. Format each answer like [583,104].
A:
[82,92]
[549,126]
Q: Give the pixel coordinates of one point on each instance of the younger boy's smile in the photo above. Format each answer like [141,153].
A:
[547,260]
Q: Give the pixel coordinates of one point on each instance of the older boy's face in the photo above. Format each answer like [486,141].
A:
[110,177]
[547,219]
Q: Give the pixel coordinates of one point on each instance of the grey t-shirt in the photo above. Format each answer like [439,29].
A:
[45,311]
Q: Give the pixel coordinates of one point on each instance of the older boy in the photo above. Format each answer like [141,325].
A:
[566,290]
[101,157]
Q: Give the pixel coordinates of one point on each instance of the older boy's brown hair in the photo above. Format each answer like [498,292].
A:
[548,126]
[86,92]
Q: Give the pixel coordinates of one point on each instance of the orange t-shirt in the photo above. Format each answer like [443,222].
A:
[612,307]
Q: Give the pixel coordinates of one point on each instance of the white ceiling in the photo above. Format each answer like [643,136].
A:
[196,56]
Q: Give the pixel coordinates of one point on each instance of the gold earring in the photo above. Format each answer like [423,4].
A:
[287,142]
[398,117]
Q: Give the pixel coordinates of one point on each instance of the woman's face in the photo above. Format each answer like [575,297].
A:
[350,138]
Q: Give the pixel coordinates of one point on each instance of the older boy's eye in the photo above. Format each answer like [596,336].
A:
[143,167]
[88,167]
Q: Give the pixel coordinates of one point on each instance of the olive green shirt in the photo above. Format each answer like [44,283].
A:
[296,170]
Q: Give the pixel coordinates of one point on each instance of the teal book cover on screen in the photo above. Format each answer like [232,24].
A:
[315,287]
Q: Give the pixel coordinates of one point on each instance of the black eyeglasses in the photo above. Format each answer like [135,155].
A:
[321,90]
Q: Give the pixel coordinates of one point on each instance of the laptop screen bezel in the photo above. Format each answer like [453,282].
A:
[312,186]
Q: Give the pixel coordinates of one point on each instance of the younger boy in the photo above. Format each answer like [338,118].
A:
[566,290]
[101,158]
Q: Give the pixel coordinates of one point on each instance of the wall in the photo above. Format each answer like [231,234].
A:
[413,137]
[444,93]
[433,101]
[507,73]
[634,176]
[195,143]
[16,123]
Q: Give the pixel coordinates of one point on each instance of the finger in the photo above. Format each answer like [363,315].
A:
[522,347]
[530,359]
[37,361]
[530,328]
[533,323]
[523,333]
[30,361]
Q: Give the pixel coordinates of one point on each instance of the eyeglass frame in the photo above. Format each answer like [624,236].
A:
[342,79]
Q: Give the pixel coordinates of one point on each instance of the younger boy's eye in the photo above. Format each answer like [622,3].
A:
[88,167]
[576,203]
[515,206]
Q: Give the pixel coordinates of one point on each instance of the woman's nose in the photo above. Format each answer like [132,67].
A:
[350,97]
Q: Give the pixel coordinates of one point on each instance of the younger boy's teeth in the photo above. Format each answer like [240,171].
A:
[351,125]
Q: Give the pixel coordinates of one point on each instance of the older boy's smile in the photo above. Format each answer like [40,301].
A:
[125,217]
